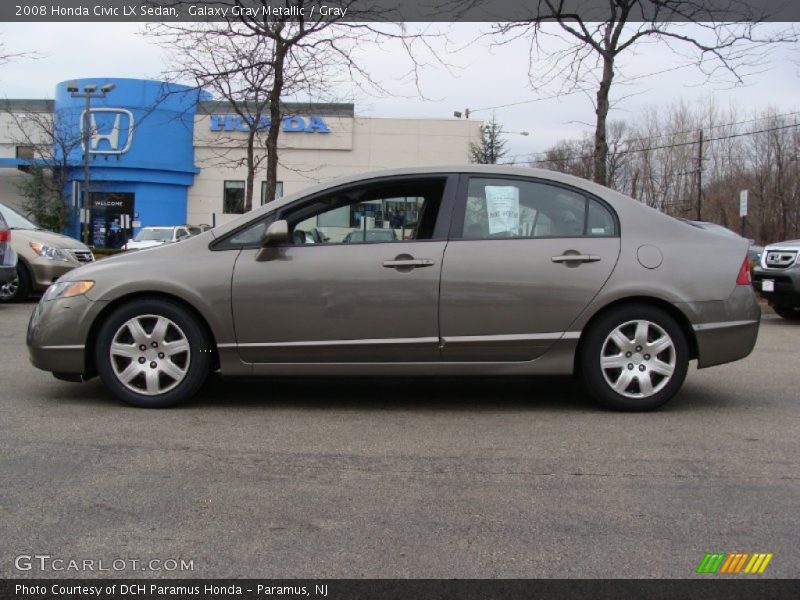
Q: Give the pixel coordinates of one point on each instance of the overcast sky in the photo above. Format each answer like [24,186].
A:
[480,77]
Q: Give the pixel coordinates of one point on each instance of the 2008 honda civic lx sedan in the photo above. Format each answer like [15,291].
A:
[485,270]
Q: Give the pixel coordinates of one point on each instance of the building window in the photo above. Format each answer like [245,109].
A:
[278,191]
[233,197]
[25,152]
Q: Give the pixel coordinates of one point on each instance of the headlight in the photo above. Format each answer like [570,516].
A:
[49,252]
[67,289]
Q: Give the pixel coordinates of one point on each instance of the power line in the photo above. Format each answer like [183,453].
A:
[661,147]
[676,133]
[580,90]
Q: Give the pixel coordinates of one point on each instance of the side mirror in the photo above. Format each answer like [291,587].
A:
[276,233]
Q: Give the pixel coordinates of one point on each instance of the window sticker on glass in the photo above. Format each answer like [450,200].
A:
[502,206]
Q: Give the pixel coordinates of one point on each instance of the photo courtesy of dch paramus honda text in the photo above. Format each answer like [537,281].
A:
[457,271]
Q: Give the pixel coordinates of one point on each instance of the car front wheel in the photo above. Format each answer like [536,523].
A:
[18,289]
[152,353]
[634,358]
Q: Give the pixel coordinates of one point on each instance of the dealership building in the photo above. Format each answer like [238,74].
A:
[166,154]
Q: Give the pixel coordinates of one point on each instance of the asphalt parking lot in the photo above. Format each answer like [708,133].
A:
[396,478]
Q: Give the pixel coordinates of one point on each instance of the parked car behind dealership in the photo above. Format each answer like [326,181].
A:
[150,237]
[43,256]
[506,272]
[8,257]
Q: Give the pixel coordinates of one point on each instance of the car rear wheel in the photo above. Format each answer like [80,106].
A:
[152,353]
[18,289]
[791,313]
[634,358]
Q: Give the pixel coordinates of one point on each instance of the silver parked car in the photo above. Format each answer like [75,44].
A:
[43,256]
[497,271]
[8,257]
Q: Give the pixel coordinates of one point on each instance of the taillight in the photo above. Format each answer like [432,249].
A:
[744,273]
[5,235]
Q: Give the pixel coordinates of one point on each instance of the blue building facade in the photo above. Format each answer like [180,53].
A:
[141,155]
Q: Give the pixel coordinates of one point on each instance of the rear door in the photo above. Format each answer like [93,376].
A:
[525,257]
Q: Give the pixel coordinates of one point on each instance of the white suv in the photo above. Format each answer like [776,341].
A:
[149,237]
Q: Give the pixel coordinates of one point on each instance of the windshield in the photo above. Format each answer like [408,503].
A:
[16,220]
[149,234]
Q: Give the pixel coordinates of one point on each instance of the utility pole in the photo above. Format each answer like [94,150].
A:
[700,178]
[89,92]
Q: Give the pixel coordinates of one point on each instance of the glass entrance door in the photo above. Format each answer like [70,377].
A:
[106,225]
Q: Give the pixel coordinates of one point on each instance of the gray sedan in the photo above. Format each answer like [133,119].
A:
[498,271]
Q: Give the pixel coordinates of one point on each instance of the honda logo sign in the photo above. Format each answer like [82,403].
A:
[111,130]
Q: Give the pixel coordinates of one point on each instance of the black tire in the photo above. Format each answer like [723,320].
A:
[197,360]
[790,313]
[597,336]
[19,289]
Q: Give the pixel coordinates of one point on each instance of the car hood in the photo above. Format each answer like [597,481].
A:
[23,237]
[786,244]
[147,257]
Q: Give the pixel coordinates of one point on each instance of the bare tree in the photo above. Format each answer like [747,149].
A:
[49,142]
[228,62]
[720,38]
[659,158]
[300,53]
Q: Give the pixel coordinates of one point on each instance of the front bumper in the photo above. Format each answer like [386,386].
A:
[786,285]
[57,334]
[726,330]
[45,271]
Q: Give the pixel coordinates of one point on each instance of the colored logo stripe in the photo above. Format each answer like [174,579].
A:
[758,563]
[733,563]
[711,562]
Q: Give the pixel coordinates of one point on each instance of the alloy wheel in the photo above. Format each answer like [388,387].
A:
[638,359]
[9,289]
[150,354]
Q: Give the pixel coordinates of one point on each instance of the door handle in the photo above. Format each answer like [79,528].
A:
[409,263]
[584,258]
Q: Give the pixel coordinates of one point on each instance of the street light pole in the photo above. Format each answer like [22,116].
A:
[87,139]
[89,92]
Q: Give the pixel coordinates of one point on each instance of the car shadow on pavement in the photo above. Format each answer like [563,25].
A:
[546,394]
[479,394]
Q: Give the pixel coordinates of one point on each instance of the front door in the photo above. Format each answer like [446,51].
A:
[524,260]
[350,287]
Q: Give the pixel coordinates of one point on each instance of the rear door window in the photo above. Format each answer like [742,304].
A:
[511,208]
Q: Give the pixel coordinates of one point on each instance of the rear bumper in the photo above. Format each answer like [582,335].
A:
[727,330]
[719,343]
